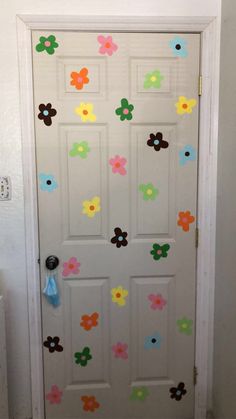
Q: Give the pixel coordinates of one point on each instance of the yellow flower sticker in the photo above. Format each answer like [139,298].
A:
[85,111]
[119,295]
[91,207]
[185,105]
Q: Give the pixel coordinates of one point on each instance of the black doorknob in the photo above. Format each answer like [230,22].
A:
[52,262]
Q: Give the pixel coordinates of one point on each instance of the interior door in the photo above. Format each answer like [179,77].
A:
[116,122]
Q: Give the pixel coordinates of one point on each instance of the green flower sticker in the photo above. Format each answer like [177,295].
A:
[83,357]
[159,251]
[47,44]
[125,111]
[149,191]
[139,393]
[153,79]
[185,325]
[80,149]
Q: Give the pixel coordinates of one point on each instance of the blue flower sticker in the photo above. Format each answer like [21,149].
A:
[153,341]
[178,46]
[47,182]
[188,153]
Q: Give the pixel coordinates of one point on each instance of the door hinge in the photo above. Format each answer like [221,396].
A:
[195,374]
[200,86]
[196,237]
[38,261]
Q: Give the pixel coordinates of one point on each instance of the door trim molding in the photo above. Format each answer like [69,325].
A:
[209,28]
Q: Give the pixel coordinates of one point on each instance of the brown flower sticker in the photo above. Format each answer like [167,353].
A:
[53,344]
[46,113]
[156,141]
[120,237]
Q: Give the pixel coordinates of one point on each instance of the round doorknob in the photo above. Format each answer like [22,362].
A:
[52,262]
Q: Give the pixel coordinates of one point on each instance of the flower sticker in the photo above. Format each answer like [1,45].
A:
[118,165]
[47,182]
[82,358]
[80,149]
[89,321]
[107,45]
[71,267]
[185,325]
[185,218]
[120,350]
[139,393]
[48,44]
[148,191]
[46,113]
[79,79]
[90,208]
[156,141]
[85,111]
[185,105]
[55,395]
[153,341]
[119,295]
[125,111]
[178,392]
[90,403]
[178,46]
[53,344]
[153,79]
[120,237]
[188,153]
[159,251]
[158,302]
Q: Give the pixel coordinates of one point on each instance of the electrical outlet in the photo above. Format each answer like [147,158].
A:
[5,188]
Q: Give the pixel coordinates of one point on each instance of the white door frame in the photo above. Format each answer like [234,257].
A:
[209,28]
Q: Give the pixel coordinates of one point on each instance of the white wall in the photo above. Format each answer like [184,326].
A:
[12,255]
[225,290]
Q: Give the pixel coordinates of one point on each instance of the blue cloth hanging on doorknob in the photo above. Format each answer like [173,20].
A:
[51,290]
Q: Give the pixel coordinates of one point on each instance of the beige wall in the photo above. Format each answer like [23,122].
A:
[225,292]
[12,255]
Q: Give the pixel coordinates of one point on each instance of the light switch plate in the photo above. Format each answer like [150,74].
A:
[5,188]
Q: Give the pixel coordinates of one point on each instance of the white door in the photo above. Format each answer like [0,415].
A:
[116,118]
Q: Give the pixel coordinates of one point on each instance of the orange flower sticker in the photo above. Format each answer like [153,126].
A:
[90,403]
[185,218]
[89,321]
[79,79]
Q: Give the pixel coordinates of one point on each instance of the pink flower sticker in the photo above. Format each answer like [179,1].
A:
[158,302]
[107,45]
[71,267]
[55,395]
[118,164]
[120,350]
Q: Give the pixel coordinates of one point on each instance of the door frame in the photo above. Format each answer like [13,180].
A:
[209,28]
